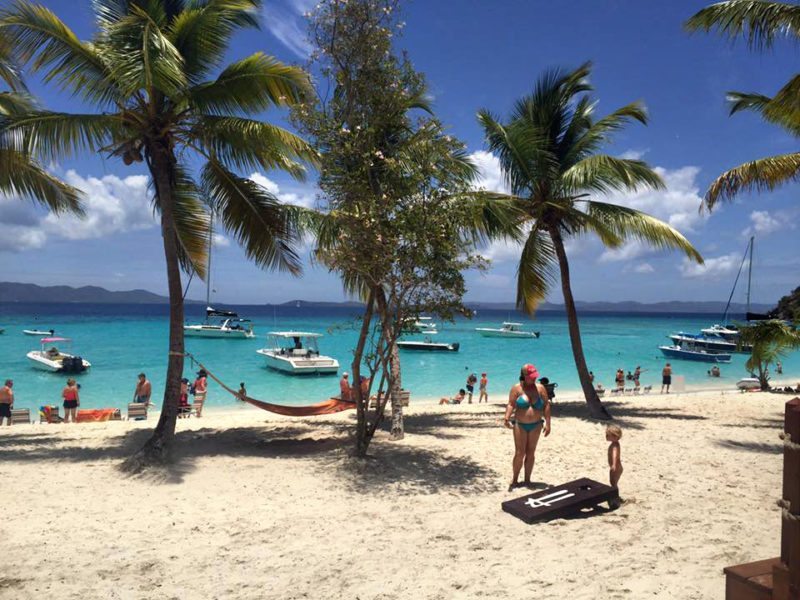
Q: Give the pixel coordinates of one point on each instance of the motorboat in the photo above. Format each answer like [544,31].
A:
[39,332]
[726,332]
[695,354]
[221,324]
[428,345]
[702,342]
[50,358]
[423,325]
[508,330]
[297,353]
[748,383]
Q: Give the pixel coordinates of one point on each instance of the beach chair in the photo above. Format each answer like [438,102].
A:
[637,390]
[49,414]
[20,416]
[137,410]
[646,389]
[405,397]
[197,406]
[601,392]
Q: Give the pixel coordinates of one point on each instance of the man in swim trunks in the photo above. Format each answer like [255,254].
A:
[6,401]
[666,377]
[143,390]
[472,379]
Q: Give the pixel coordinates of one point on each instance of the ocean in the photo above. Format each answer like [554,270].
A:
[122,340]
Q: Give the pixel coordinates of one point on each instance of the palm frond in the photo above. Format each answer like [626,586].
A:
[10,71]
[603,173]
[487,216]
[764,174]
[782,110]
[16,103]
[38,35]
[629,223]
[21,175]
[760,22]
[536,272]
[192,223]
[246,144]
[251,84]
[259,222]
[595,135]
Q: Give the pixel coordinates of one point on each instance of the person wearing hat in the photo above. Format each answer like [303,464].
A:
[344,388]
[529,403]
[200,389]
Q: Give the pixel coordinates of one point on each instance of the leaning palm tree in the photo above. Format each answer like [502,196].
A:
[549,154]
[770,340]
[21,174]
[149,69]
[760,22]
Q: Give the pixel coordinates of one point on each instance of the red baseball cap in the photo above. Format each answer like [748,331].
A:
[531,371]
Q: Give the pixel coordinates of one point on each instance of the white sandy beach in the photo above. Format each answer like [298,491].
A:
[262,506]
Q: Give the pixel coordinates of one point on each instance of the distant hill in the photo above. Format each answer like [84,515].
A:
[788,307]
[28,292]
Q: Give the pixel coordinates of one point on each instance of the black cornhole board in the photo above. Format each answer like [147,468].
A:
[556,502]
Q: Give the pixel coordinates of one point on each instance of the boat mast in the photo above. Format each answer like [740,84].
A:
[208,264]
[750,272]
[736,281]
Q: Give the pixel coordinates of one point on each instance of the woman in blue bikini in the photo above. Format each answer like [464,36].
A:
[529,403]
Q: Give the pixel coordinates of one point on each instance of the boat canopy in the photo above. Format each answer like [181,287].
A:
[211,312]
[513,324]
[52,340]
[294,334]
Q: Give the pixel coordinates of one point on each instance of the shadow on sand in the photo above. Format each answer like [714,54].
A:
[750,446]
[625,415]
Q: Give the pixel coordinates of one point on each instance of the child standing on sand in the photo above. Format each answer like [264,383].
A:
[613,435]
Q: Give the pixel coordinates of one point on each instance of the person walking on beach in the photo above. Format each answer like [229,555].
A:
[141,394]
[344,388]
[530,405]
[666,377]
[613,435]
[6,402]
[483,384]
[472,379]
[72,401]
[200,388]
[636,374]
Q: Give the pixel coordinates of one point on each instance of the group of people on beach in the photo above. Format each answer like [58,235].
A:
[468,390]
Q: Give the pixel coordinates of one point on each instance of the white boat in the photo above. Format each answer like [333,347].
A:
[725,332]
[39,332]
[749,383]
[221,324]
[508,330]
[297,352]
[424,325]
[695,354]
[50,358]
[428,345]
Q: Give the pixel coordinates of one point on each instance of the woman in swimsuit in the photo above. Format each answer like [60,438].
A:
[529,403]
[72,401]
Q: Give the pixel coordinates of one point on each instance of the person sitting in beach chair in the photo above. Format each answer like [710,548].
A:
[457,399]
[184,408]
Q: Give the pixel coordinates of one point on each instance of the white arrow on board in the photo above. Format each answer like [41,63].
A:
[549,500]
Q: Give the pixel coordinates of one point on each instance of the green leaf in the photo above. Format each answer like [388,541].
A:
[537,270]
[765,174]
[760,22]
[21,175]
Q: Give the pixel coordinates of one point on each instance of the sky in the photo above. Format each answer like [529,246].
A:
[475,55]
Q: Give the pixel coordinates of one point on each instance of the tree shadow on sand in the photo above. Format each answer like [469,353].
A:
[439,425]
[760,447]
[625,415]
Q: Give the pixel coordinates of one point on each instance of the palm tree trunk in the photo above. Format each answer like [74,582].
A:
[596,408]
[157,449]
[398,431]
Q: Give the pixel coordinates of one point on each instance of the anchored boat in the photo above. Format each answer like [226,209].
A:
[39,332]
[221,324]
[428,345]
[698,355]
[54,360]
[702,342]
[508,330]
[297,353]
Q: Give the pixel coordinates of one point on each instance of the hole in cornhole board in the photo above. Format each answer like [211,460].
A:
[561,501]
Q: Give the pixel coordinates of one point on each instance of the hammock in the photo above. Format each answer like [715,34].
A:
[326,407]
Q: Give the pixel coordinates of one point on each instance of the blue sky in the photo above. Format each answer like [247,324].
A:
[475,55]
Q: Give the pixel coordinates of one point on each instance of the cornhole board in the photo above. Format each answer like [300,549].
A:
[560,501]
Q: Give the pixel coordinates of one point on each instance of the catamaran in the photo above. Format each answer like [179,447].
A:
[54,360]
[508,330]
[297,353]
[220,324]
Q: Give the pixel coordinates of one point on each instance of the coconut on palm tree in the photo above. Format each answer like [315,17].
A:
[21,174]
[154,71]
[550,154]
[760,22]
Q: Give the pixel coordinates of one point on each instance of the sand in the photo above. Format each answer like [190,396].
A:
[262,506]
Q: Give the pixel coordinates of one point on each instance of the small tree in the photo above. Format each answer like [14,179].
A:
[770,339]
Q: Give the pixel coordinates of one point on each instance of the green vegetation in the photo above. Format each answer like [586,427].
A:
[549,150]
[771,339]
[149,70]
[760,22]
[788,307]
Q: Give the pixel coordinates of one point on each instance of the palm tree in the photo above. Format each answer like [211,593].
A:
[770,339]
[20,172]
[149,71]
[549,154]
[760,22]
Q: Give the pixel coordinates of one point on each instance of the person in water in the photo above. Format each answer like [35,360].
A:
[72,401]
[530,405]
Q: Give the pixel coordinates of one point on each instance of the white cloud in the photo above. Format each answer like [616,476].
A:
[762,223]
[490,175]
[643,268]
[220,241]
[713,268]
[286,22]
[634,154]
[301,197]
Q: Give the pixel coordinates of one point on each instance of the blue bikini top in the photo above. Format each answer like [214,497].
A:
[524,402]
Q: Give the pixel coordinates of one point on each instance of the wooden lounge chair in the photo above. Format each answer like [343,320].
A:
[20,416]
[137,410]
[646,389]
[600,392]
[49,414]
[405,398]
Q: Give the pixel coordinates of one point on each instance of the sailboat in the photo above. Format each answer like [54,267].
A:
[725,331]
[220,324]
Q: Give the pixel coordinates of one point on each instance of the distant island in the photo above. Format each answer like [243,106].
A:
[28,292]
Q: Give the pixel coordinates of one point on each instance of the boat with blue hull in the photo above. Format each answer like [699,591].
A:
[713,344]
[697,355]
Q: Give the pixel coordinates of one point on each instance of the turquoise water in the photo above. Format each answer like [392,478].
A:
[121,341]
